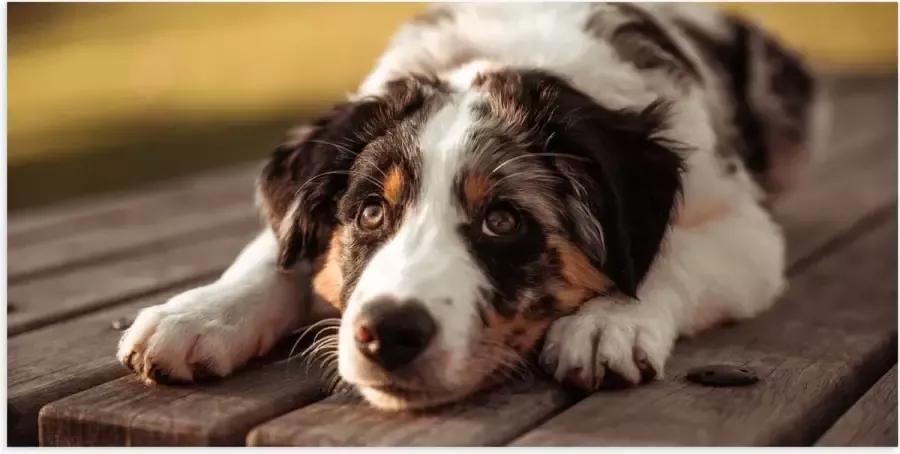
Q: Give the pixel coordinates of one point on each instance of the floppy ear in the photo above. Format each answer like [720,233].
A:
[301,183]
[625,190]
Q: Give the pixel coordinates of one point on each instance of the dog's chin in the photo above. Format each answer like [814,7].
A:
[391,395]
[390,398]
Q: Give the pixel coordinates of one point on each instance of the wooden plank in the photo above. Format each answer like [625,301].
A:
[144,206]
[872,421]
[818,350]
[59,360]
[126,412]
[123,411]
[865,169]
[40,302]
[110,241]
[487,420]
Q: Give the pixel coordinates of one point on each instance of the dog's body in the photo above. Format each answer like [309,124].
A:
[595,175]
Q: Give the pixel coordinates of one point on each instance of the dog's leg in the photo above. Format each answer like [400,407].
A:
[214,329]
[717,266]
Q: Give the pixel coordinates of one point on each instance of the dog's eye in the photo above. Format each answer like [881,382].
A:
[372,215]
[500,222]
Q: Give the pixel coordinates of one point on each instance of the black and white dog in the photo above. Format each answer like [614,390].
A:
[585,180]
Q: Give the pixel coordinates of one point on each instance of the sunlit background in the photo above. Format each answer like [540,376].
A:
[107,96]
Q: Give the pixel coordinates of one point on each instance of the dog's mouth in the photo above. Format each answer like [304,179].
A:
[400,396]
[389,396]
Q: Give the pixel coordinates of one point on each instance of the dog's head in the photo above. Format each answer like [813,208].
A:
[451,225]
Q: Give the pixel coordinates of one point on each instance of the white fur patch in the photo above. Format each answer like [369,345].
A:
[426,259]
[222,325]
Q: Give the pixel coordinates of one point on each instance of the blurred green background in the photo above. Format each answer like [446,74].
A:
[110,96]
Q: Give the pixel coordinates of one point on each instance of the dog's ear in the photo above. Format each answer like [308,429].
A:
[625,186]
[301,183]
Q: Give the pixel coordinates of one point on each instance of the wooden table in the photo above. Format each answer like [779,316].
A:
[826,353]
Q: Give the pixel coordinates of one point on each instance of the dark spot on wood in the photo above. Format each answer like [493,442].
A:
[722,375]
[11,307]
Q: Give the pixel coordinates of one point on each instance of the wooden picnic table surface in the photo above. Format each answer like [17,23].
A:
[825,354]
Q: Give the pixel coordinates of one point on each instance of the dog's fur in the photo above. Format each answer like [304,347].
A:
[626,152]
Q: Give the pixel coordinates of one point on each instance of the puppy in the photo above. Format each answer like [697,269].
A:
[586,181]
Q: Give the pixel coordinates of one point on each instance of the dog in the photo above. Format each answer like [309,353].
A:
[582,182]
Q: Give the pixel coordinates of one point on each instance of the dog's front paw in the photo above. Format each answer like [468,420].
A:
[191,337]
[607,348]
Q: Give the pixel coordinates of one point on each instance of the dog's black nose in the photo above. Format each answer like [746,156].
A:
[392,333]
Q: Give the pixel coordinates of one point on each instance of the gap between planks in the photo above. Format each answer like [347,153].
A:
[44,301]
[112,242]
[193,192]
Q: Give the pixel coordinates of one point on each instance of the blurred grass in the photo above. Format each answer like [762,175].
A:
[103,96]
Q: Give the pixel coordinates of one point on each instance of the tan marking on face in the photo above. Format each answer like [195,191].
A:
[393,184]
[476,190]
[581,276]
[328,280]
[517,333]
[699,213]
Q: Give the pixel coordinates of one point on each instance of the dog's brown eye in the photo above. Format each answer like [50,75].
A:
[372,215]
[500,222]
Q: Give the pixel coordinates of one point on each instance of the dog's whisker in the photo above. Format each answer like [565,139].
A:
[335,145]
[538,155]
[324,322]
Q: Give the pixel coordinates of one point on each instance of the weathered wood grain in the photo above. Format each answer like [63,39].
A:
[40,302]
[818,350]
[489,419]
[59,360]
[112,240]
[125,412]
[871,421]
[142,206]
